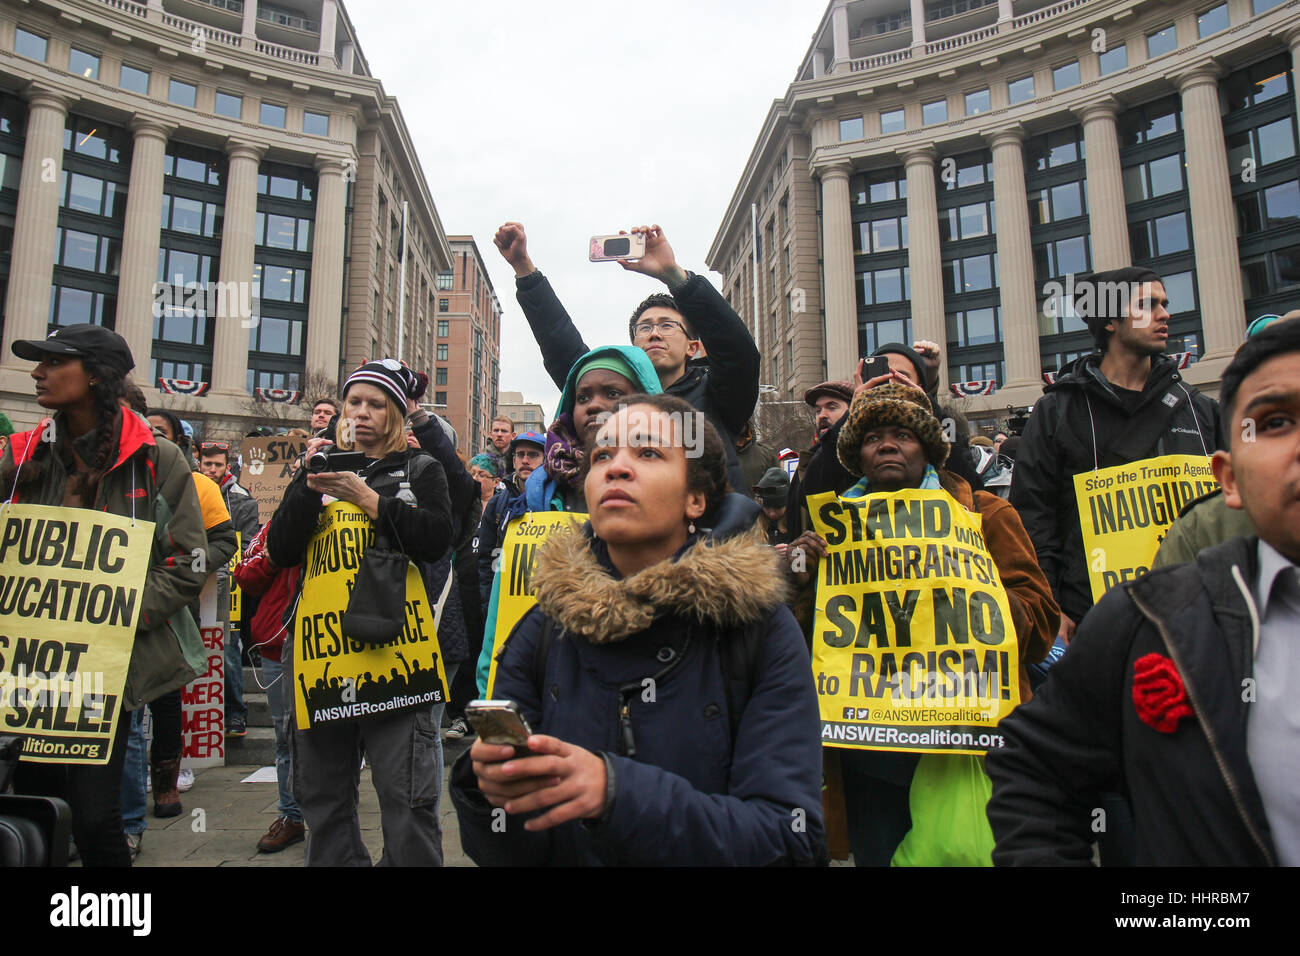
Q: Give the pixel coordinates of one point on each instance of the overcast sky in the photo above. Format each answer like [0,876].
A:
[579,119]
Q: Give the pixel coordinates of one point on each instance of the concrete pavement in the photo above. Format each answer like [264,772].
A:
[234,815]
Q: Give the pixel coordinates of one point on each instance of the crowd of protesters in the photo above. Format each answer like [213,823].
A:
[664,668]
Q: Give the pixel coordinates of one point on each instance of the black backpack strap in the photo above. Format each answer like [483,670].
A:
[541,652]
[739,649]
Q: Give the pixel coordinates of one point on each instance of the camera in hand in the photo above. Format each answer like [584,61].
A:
[333,459]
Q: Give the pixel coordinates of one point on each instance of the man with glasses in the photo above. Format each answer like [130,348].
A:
[214,461]
[675,330]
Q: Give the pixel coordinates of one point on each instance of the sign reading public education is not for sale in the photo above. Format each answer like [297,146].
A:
[71,587]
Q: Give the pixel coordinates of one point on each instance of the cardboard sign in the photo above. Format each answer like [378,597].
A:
[268,467]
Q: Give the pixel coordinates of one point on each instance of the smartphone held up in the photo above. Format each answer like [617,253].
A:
[613,248]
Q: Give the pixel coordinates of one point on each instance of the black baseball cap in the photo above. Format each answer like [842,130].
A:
[80,341]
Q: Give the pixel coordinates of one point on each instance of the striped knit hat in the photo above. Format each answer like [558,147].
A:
[393,377]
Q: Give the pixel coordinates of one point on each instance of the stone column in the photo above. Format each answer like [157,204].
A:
[250,20]
[31,269]
[1016,284]
[1006,13]
[840,36]
[837,254]
[1214,220]
[329,15]
[324,307]
[923,257]
[918,23]
[1107,213]
[135,288]
[1293,44]
[230,346]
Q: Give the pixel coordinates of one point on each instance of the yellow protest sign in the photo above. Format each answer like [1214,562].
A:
[231,566]
[913,644]
[1125,511]
[524,535]
[335,677]
[71,585]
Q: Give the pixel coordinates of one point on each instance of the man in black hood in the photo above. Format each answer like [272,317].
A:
[1121,404]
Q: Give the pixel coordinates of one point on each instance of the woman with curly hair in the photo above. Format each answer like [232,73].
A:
[90,454]
[667,682]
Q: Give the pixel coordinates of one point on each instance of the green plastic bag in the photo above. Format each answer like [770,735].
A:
[950,827]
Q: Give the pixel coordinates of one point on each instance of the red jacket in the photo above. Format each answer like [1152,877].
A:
[258,576]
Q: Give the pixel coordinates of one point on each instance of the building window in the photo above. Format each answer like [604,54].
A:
[1260,6]
[1063,201]
[444,305]
[971,169]
[88,137]
[181,93]
[892,121]
[966,222]
[30,45]
[445,280]
[272,114]
[1018,91]
[278,231]
[978,102]
[285,182]
[136,81]
[83,64]
[882,185]
[315,124]
[1161,42]
[442,352]
[974,327]
[440,377]
[1212,21]
[1159,177]
[280,283]
[1058,148]
[935,112]
[1065,76]
[444,327]
[276,336]
[879,235]
[877,333]
[971,274]
[1116,58]
[440,398]
[884,286]
[850,129]
[1162,236]
[228,104]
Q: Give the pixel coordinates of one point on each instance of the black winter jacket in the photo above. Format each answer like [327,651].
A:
[724,386]
[690,795]
[1194,798]
[1081,424]
[423,533]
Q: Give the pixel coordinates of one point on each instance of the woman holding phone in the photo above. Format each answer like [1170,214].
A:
[404,492]
[675,714]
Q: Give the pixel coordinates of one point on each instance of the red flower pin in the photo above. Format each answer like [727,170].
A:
[1158,693]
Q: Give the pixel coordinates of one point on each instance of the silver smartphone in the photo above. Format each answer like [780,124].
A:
[499,722]
[613,248]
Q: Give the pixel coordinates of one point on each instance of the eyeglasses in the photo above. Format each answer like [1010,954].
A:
[215,446]
[665,327]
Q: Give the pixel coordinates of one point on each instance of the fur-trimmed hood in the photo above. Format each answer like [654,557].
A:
[729,582]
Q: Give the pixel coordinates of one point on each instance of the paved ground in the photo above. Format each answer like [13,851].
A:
[235,815]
